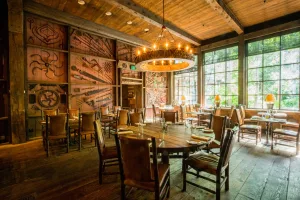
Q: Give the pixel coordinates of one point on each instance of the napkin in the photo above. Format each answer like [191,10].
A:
[200,137]
[124,132]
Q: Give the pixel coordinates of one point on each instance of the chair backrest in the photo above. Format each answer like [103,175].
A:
[239,117]
[218,124]
[73,113]
[170,116]
[154,110]
[231,112]
[57,125]
[183,111]
[226,149]
[217,111]
[87,121]
[243,112]
[104,110]
[123,117]
[135,118]
[99,137]
[116,108]
[134,158]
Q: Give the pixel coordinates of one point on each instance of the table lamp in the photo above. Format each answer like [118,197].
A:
[270,99]
[217,100]
[182,99]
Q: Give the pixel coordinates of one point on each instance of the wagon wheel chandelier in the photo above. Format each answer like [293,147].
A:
[164,56]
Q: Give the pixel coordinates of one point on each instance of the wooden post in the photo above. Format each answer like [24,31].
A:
[170,96]
[242,76]
[16,68]
[200,77]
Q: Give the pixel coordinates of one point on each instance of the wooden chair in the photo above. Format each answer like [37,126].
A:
[135,118]
[184,115]
[73,113]
[137,171]
[229,118]
[217,112]
[116,108]
[287,135]
[218,124]
[247,128]
[121,121]
[106,120]
[170,116]
[48,112]
[86,126]
[243,114]
[155,115]
[108,156]
[211,164]
[142,111]
[56,129]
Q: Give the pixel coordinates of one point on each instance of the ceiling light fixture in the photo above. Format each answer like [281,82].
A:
[129,22]
[108,13]
[146,30]
[81,2]
[164,56]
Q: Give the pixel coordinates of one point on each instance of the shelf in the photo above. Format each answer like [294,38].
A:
[3,118]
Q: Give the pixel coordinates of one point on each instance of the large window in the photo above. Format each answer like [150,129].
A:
[221,76]
[186,84]
[273,67]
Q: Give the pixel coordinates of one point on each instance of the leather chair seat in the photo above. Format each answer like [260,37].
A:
[163,170]
[110,152]
[250,126]
[285,132]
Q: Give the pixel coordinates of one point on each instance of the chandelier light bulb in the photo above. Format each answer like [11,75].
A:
[167,44]
[162,62]
[144,49]
[153,62]
[139,53]
[191,51]
[187,48]
[179,46]
[154,46]
[81,2]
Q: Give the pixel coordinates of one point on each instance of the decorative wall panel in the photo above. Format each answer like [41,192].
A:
[155,96]
[46,96]
[156,80]
[46,65]
[90,98]
[43,33]
[82,42]
[156,88]
[91,70]
[126,52]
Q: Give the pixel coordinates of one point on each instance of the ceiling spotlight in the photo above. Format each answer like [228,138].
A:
[108,13]
[81,2]
[160,35]
[146,30]
[129,22]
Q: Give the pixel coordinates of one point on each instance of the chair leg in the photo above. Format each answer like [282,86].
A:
[227,180]
[79,142]
[184,177]
[100,171]
[85,137]
[239,133]
[123,195]
[68,144]
[256,138]
[169,184]
[297,146]
[218,187]
[109,132]
[47,148]
[272,140]
[91,137]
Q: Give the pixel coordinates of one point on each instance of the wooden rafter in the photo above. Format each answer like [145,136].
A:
[228,16]
[138,11]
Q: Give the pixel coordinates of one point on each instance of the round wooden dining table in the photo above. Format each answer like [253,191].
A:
[174,141]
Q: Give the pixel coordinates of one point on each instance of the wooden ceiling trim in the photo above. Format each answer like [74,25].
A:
[45,11]
[227,15]
[150,17]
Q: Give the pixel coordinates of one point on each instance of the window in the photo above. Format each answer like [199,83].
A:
[273,67]
[221,76]
[186,84]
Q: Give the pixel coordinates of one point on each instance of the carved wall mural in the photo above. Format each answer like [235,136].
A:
[91,70]
[46,96]
[43,33]
[156,88]
[156,80]
[46,65]
[82,42]
[126,52]
[155,96]
[90,98]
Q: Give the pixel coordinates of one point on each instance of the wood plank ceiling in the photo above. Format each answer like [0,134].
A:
[195,17]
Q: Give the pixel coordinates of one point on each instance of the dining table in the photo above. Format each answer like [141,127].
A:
[177,139]
[199,114]
[269,123]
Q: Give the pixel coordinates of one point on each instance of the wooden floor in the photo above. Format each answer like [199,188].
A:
[255,173]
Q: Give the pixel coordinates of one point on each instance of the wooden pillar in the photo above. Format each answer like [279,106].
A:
[171,88]
[200,77]
[16,69]
[242,76]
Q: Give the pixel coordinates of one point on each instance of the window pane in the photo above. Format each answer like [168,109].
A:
[254,88]
[231,100]
[209,100]
[290,71]
[219,55]
[290,86]
[271,59]
[255,61]
[271,73]
[209,90]
[232,89]
[255,101]
[271,44]
[255,48]
[232,77]
[220,67]
[208,58]
[290,40]
[232,65]
[255,74]
[209,69]
[290,102]
[220,78]
[220,89]
[271,87]
[290,56]
[210,79]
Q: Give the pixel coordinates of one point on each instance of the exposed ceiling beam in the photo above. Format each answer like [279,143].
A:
[138,11]
[228,16]
[78,22]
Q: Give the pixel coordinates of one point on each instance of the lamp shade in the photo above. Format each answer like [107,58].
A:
[270,98]
[217,97]
[182,98]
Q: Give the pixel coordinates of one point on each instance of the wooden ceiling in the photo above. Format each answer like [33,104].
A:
[199,19]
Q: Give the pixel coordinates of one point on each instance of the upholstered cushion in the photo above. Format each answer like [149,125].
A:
[203,161]
[291,125]
[110,152]
[107,120]
[285,132]
[163,170]
[250,126]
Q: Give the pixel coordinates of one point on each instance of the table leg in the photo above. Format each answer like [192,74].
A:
[185,154]
[268,126]
[165,157]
